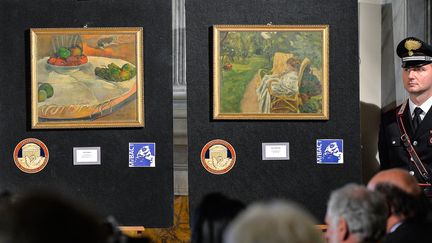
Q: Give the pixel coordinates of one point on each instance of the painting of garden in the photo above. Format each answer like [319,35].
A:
[270,72]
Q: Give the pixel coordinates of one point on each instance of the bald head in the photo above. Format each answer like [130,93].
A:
[398,178]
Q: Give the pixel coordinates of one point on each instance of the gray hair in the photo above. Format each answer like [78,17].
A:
[364,211]
[274,222]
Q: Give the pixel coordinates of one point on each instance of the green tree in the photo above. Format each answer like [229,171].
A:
[309,44]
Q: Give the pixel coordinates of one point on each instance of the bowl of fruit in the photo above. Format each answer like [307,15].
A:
[67,59]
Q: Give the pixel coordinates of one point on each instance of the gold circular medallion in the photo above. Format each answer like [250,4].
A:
[31,155]
[218,156]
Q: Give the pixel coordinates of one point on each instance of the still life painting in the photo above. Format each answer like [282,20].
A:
[87,77]
[271,72]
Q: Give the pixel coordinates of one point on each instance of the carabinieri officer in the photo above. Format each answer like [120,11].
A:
[405,138]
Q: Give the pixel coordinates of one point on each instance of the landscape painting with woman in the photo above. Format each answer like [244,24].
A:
[270,72]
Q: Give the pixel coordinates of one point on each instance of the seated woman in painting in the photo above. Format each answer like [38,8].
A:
[285,83]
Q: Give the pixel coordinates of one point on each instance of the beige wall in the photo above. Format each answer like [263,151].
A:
[370,82]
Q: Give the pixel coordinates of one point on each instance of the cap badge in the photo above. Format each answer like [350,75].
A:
[412,45]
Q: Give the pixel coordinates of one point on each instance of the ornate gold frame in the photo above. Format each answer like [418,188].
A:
[217,70]
[135,94]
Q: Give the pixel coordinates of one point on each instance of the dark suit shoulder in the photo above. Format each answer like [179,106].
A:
[390,116]
[417,232]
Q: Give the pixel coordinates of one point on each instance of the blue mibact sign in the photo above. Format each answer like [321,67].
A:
[329,151]
[142,155]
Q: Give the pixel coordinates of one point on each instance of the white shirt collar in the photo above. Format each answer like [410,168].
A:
[395,226]
[425,107]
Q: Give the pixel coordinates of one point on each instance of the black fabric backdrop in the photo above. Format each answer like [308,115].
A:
[300,179]
[135,196]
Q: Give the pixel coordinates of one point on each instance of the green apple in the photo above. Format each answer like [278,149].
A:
[48,89]
[42,95]
[63,52]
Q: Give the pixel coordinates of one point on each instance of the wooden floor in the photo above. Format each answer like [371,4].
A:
[179,233]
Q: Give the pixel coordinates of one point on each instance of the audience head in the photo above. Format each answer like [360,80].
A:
[403,195]
[42,217]
[6,198]
[397,177]
[212,216]
[274,222]
[355,214]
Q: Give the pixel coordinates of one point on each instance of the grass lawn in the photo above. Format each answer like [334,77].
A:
[235,81]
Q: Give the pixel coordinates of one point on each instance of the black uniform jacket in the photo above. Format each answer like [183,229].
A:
[393,154]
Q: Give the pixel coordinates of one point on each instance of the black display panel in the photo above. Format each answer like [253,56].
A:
[112,188]
[300,178]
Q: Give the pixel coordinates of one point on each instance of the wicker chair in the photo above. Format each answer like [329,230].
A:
[284,103]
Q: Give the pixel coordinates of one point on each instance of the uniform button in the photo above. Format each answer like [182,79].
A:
[411,172]
[411,159]
[393,142]
[415,143]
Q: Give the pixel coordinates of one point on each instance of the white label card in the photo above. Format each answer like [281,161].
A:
[87,156]
[275,151]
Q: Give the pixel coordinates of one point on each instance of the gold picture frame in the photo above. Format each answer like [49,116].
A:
[266,72]
[87,77]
